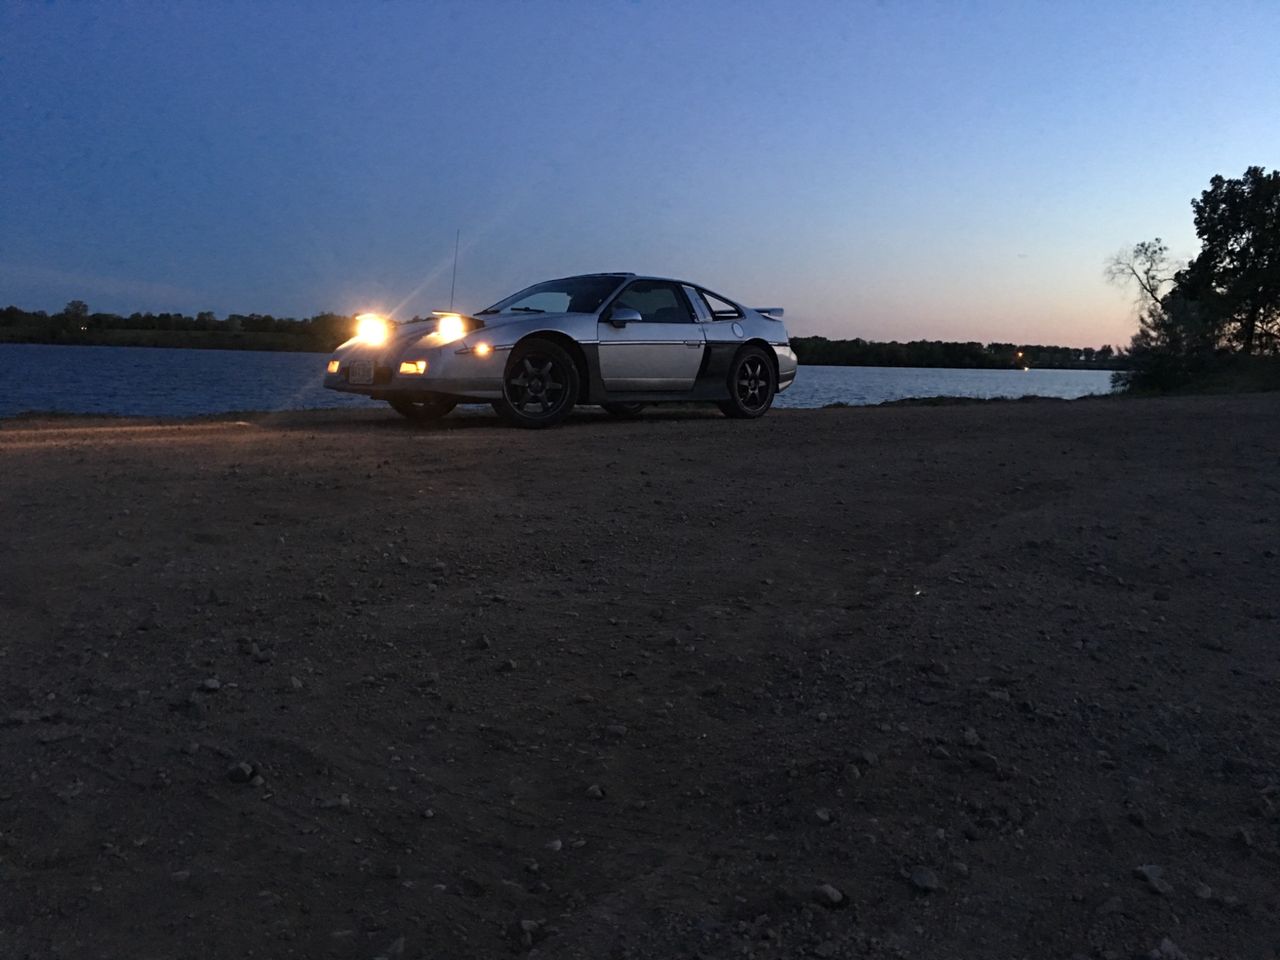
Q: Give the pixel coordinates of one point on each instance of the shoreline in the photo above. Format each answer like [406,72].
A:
[1002,676]
[659,412]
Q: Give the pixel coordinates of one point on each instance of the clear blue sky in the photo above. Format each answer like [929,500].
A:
[893,171]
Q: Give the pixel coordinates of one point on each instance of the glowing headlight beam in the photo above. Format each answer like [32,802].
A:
[450,327]
[372,328]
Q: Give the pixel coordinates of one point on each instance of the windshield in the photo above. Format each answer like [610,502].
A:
[570,295]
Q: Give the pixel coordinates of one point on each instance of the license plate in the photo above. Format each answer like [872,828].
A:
[361,371]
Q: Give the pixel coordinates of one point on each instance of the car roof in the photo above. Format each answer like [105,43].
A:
[635,276]
[582,276]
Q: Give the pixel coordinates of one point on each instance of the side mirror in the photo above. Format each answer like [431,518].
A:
[621,316]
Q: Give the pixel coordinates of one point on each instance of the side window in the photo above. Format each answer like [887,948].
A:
[700,308]
[721,308]
[656,301]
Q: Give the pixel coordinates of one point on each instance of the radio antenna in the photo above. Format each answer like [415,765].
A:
[454,282]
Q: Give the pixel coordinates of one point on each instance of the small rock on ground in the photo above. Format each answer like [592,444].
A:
[924,879]
[1154,876]
[827,895]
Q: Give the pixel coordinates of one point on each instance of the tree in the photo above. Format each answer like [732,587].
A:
[1177,342]
[76,311]
[1175,335]
[330,329]
[1223,308]
[1155,352]
[1237,273]
[72,317]
[1147,266]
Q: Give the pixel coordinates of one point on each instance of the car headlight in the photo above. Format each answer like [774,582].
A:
[450,327]
[373,329]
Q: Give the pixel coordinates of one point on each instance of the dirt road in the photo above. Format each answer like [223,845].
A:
[995,681]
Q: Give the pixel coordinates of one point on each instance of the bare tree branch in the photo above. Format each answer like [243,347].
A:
[1146,266]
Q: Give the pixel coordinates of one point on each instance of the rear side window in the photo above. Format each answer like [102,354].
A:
[721,308]
[656,301]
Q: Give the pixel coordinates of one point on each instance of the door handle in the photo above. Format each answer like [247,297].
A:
[693,343]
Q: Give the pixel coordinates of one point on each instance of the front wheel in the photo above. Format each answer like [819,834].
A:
[540,385]
[423,411]
[752,384]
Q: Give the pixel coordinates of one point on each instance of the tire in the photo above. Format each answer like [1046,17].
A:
[626,411]
[752,384]
[423,411]
[539,385]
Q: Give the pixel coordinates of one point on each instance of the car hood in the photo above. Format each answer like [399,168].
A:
[495,320]
[404,332]
[500,330]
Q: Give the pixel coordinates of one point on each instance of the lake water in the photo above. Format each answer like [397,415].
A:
[145,381]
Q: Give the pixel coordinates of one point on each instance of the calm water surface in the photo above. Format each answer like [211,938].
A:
[149,381]
[859,386]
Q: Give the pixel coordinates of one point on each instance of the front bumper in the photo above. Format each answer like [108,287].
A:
[452,370]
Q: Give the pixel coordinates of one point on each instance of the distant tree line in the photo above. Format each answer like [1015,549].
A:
[75,323]
[1214,322]
[940,353]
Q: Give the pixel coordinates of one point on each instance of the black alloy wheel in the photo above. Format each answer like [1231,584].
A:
[752,384]
[624,410]
[423,411]
[540,385]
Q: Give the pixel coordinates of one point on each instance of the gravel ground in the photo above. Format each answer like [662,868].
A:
[995,680]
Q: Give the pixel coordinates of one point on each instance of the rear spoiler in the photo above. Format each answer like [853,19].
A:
[774,313]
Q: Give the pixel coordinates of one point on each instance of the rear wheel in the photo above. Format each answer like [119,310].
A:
[752,384]
[423,411]
[624,410]
[540,385]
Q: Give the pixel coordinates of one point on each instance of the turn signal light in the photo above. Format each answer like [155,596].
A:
[415,367]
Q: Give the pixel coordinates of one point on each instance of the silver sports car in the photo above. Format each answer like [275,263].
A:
[613,339]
